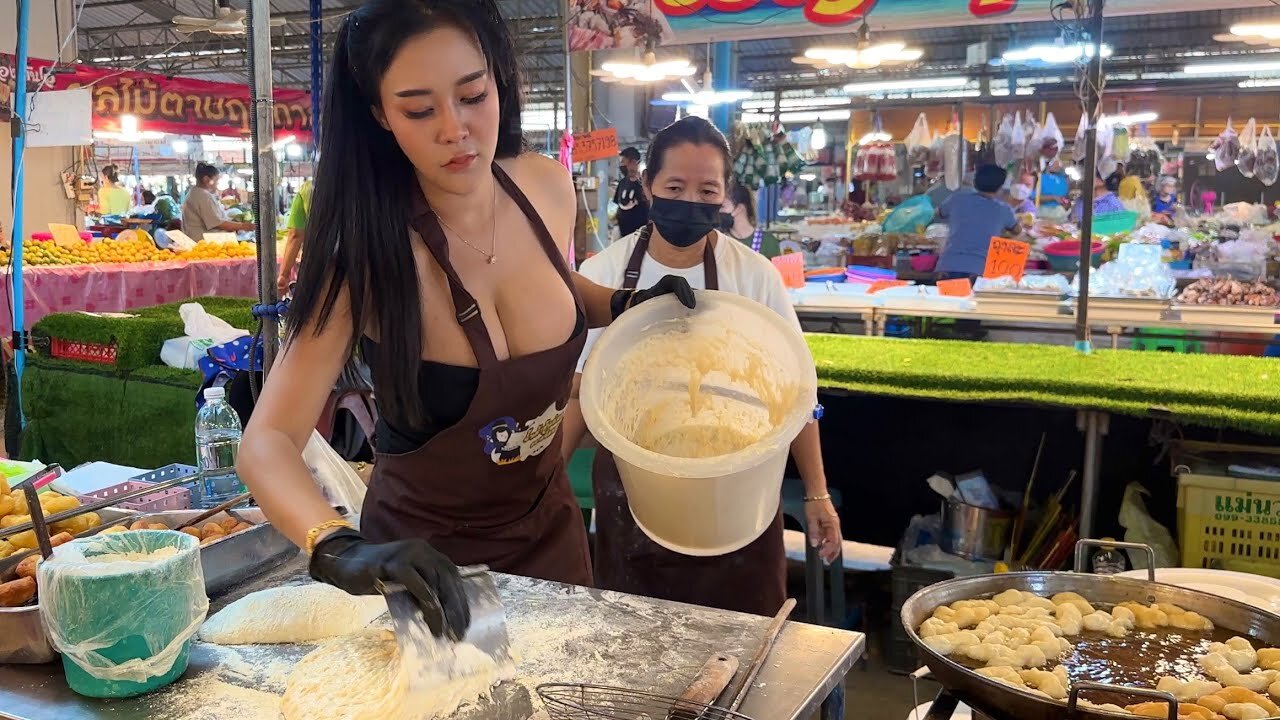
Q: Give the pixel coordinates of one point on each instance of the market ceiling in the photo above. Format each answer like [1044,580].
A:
[122,33]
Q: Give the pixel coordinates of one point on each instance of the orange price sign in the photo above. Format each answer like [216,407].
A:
[958,287]
[595,145]
[1006,257]
[879,285]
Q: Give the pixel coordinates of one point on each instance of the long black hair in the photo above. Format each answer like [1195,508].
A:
[691,130]
[358,231]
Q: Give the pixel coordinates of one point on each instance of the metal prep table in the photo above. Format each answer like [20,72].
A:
[650,645]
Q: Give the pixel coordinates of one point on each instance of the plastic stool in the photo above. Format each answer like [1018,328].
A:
[815,595]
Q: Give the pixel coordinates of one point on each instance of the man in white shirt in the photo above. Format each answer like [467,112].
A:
[202,211]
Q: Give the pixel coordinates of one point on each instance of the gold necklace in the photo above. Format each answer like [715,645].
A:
[492,256]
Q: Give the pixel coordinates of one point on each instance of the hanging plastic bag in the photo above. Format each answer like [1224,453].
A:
[1004,142]
[1248,155]
[1080,148]
[885,162]
[1267,167]
[912,216]
[1017,140]
[1051,140]
[1226,148]
[919,141]
[1120,143]
[1140,527]
[937,157]
[1031,153]
[951,148]
[333,475]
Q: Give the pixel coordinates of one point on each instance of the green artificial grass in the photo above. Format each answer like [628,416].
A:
[1211,390]
[138,339]
[78,412]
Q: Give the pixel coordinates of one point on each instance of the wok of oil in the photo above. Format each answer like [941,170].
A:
[1138,659]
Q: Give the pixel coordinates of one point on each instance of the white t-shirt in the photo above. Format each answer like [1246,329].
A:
[739,269]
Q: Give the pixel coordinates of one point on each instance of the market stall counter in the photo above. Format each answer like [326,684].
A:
[120,287]
[562,634]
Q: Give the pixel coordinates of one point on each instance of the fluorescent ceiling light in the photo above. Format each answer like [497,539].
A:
[1228,69]
[818,138]
[129,131]
[811,116]
[1257,83]
[802,102]
[1270,31]
[707,97]
[1053,54]
[920,84]
[293,150]
[1131,119]
[180,146]
[808,177]
[863,58]
[648,70]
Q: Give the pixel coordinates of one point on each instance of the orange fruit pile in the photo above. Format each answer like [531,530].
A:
[219,251]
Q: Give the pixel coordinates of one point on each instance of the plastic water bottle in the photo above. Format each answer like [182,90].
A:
[1108,560]
[217,444]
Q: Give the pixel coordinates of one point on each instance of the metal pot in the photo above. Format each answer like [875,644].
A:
[973,532]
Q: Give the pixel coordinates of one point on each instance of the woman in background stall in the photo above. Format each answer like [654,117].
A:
[686,175]
[112,198]
[738,221]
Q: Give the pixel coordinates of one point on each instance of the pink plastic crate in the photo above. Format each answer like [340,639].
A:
[177,498]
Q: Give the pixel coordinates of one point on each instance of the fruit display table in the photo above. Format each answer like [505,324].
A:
[120,287]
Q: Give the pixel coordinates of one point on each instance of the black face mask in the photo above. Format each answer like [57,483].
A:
[726,222]
[683,223]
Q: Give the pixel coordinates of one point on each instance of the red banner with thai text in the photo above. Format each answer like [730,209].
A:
[177,105]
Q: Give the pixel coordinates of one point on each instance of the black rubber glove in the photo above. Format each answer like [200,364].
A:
[624,300]
[347,561]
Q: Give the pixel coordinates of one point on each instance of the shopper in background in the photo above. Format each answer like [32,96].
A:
[112,198]
[686,176]
[1104,198]
[973,217]
[1165,203]
[738,220]
[202,211]
[633,206]
[1020,199]
[1054,186]
[1129,187]
[436,247]
[297,225]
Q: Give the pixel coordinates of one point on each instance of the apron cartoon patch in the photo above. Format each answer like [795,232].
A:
[507,441]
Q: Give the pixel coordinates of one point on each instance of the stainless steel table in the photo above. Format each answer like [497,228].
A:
[582,636]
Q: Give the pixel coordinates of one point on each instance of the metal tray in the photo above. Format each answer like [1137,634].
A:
[1022,302]
[234,558]
[22,636]
[1230,315]
[226,562]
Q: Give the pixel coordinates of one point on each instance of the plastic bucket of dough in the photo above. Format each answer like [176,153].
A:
[702,470]
[122,608]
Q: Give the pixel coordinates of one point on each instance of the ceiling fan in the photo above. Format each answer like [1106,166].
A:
[229,21]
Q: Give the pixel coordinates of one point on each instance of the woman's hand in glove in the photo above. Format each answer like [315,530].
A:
[349,562]
[624,300]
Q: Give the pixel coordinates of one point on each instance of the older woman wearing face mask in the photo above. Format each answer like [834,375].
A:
[686,177]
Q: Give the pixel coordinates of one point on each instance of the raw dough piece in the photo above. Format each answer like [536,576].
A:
[292,614]
[1188,690]
[360,677]
[1238,651]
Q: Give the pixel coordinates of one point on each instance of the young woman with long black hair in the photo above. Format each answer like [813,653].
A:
[437,247]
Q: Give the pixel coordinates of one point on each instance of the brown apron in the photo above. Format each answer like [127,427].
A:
[492,489]
[752,580]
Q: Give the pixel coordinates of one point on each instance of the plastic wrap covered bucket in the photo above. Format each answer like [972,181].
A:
[710,505]
[123,626]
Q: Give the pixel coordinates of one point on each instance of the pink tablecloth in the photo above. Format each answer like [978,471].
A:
[121,287]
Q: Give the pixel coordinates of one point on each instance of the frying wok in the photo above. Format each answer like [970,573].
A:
[1103,589]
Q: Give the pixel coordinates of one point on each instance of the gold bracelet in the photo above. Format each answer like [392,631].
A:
[817,498]
[314,533]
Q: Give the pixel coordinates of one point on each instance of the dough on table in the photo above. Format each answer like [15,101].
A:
[292,614]
[361,677]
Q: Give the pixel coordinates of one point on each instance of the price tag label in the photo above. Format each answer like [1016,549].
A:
[595,145]
[879,285]
[958,287]
[1006,257]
